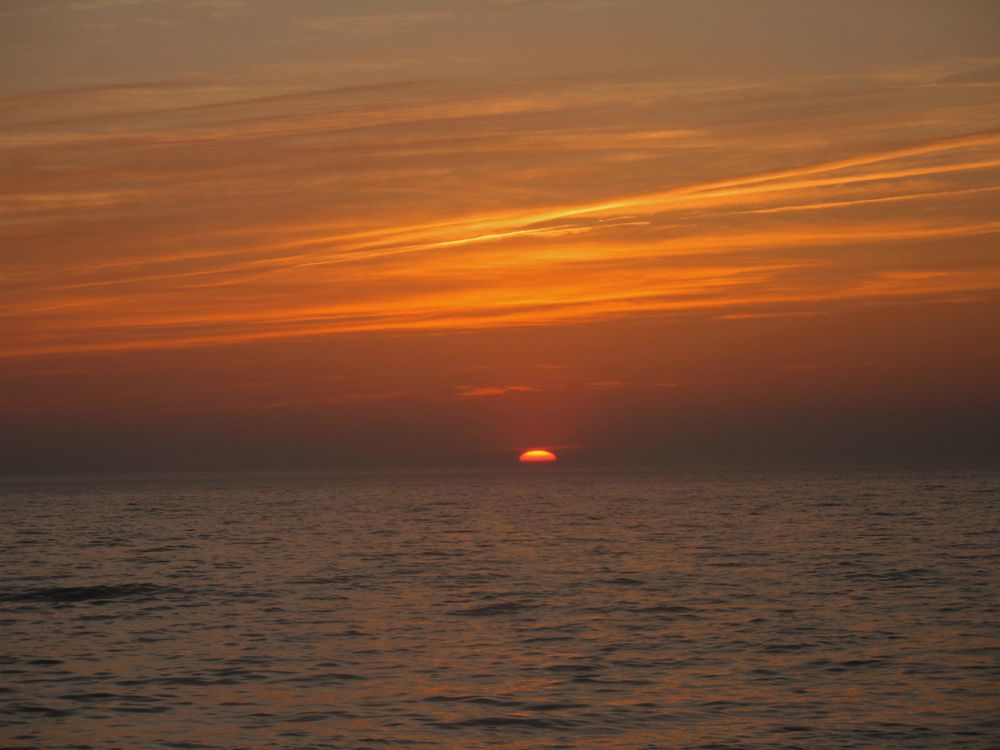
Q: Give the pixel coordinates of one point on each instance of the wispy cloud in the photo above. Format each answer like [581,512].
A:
[561,4]
[380,23]
[97,5]
[423,207]
[298,403]
[493,390]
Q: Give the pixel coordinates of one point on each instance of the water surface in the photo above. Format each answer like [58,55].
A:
[533,609]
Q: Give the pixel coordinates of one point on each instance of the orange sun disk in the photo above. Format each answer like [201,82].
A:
[537,457]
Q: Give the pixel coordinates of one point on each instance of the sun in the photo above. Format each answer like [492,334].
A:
[537,456]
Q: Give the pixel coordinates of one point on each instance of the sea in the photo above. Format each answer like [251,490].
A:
[539,607]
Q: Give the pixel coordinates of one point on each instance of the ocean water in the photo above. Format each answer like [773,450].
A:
[537,608]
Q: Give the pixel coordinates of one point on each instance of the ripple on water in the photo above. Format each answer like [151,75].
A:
[100,593]
[630,611]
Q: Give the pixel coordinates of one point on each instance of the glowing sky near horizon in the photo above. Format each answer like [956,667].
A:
[299,234]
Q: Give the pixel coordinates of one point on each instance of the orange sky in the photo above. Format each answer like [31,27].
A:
[239,234]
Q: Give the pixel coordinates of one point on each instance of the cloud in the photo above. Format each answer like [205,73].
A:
[561,4]
[870,201]
[382,23]
[218,8]
[487,391]
[185,215]
[98,5]
[298,403]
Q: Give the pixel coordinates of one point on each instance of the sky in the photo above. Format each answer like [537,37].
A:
[327,234]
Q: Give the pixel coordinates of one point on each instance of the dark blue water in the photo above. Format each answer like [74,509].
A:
[533,609]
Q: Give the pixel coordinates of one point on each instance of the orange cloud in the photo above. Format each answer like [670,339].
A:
[486,391]
[306,215]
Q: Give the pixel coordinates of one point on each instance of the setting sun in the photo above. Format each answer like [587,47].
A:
[537,457]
